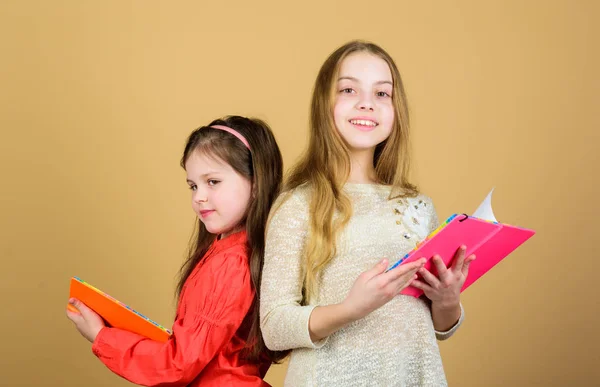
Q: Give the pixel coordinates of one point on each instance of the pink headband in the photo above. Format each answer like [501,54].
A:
[235,133]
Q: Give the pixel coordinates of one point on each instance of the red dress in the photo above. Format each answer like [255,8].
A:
[205,348]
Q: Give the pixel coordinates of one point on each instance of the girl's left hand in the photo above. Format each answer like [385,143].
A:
[87,322]
[444,290]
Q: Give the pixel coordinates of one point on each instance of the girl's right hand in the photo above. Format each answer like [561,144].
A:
[374,288]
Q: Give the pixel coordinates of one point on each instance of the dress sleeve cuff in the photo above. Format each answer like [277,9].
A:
[98,344]
[446,334]
[309,342]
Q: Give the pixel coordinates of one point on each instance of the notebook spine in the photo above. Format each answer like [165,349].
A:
[424,241]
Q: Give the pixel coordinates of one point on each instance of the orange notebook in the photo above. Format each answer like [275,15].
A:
[115,313]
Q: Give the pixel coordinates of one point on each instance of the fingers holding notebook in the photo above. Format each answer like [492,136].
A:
[446,286]
[87,322]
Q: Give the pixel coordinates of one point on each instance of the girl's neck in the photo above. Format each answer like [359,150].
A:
[362,170]
[230,232]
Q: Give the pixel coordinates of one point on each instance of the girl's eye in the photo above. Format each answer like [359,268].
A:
[193,187]
[213,182]
[382,94]
[347,90]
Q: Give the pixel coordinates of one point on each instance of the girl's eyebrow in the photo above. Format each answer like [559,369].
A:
[356,80]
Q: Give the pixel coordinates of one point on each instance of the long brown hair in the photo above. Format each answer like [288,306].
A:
[263,166]
[325,165]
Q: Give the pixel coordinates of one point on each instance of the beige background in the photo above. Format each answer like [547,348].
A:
[98,96]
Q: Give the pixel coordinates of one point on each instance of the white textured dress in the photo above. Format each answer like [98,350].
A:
[396,345]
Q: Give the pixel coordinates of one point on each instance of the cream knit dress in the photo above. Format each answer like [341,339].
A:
[393,346]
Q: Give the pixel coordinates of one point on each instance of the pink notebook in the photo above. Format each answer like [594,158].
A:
[490,240]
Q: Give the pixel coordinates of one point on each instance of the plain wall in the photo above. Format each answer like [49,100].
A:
[97,98]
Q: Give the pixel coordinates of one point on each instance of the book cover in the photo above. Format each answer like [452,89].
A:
[115,313]
[483,235]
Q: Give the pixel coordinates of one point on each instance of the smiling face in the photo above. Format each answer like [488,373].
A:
[363,110]
[220,195]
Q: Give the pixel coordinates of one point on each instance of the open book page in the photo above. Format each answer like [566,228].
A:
[484,211]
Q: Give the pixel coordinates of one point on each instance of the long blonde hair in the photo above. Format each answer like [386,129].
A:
[325,165]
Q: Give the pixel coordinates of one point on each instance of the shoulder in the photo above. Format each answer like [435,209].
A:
[222,291]
[295,200]
[228,258]
[299,195]
[224,272]
[290,214]
[233,258]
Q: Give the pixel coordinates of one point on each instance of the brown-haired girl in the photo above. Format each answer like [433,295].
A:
[234,172]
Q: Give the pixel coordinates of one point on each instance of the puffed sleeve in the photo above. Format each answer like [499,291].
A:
[214,305]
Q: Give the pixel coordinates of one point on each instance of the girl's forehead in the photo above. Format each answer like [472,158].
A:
[361,65]
[201,161]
